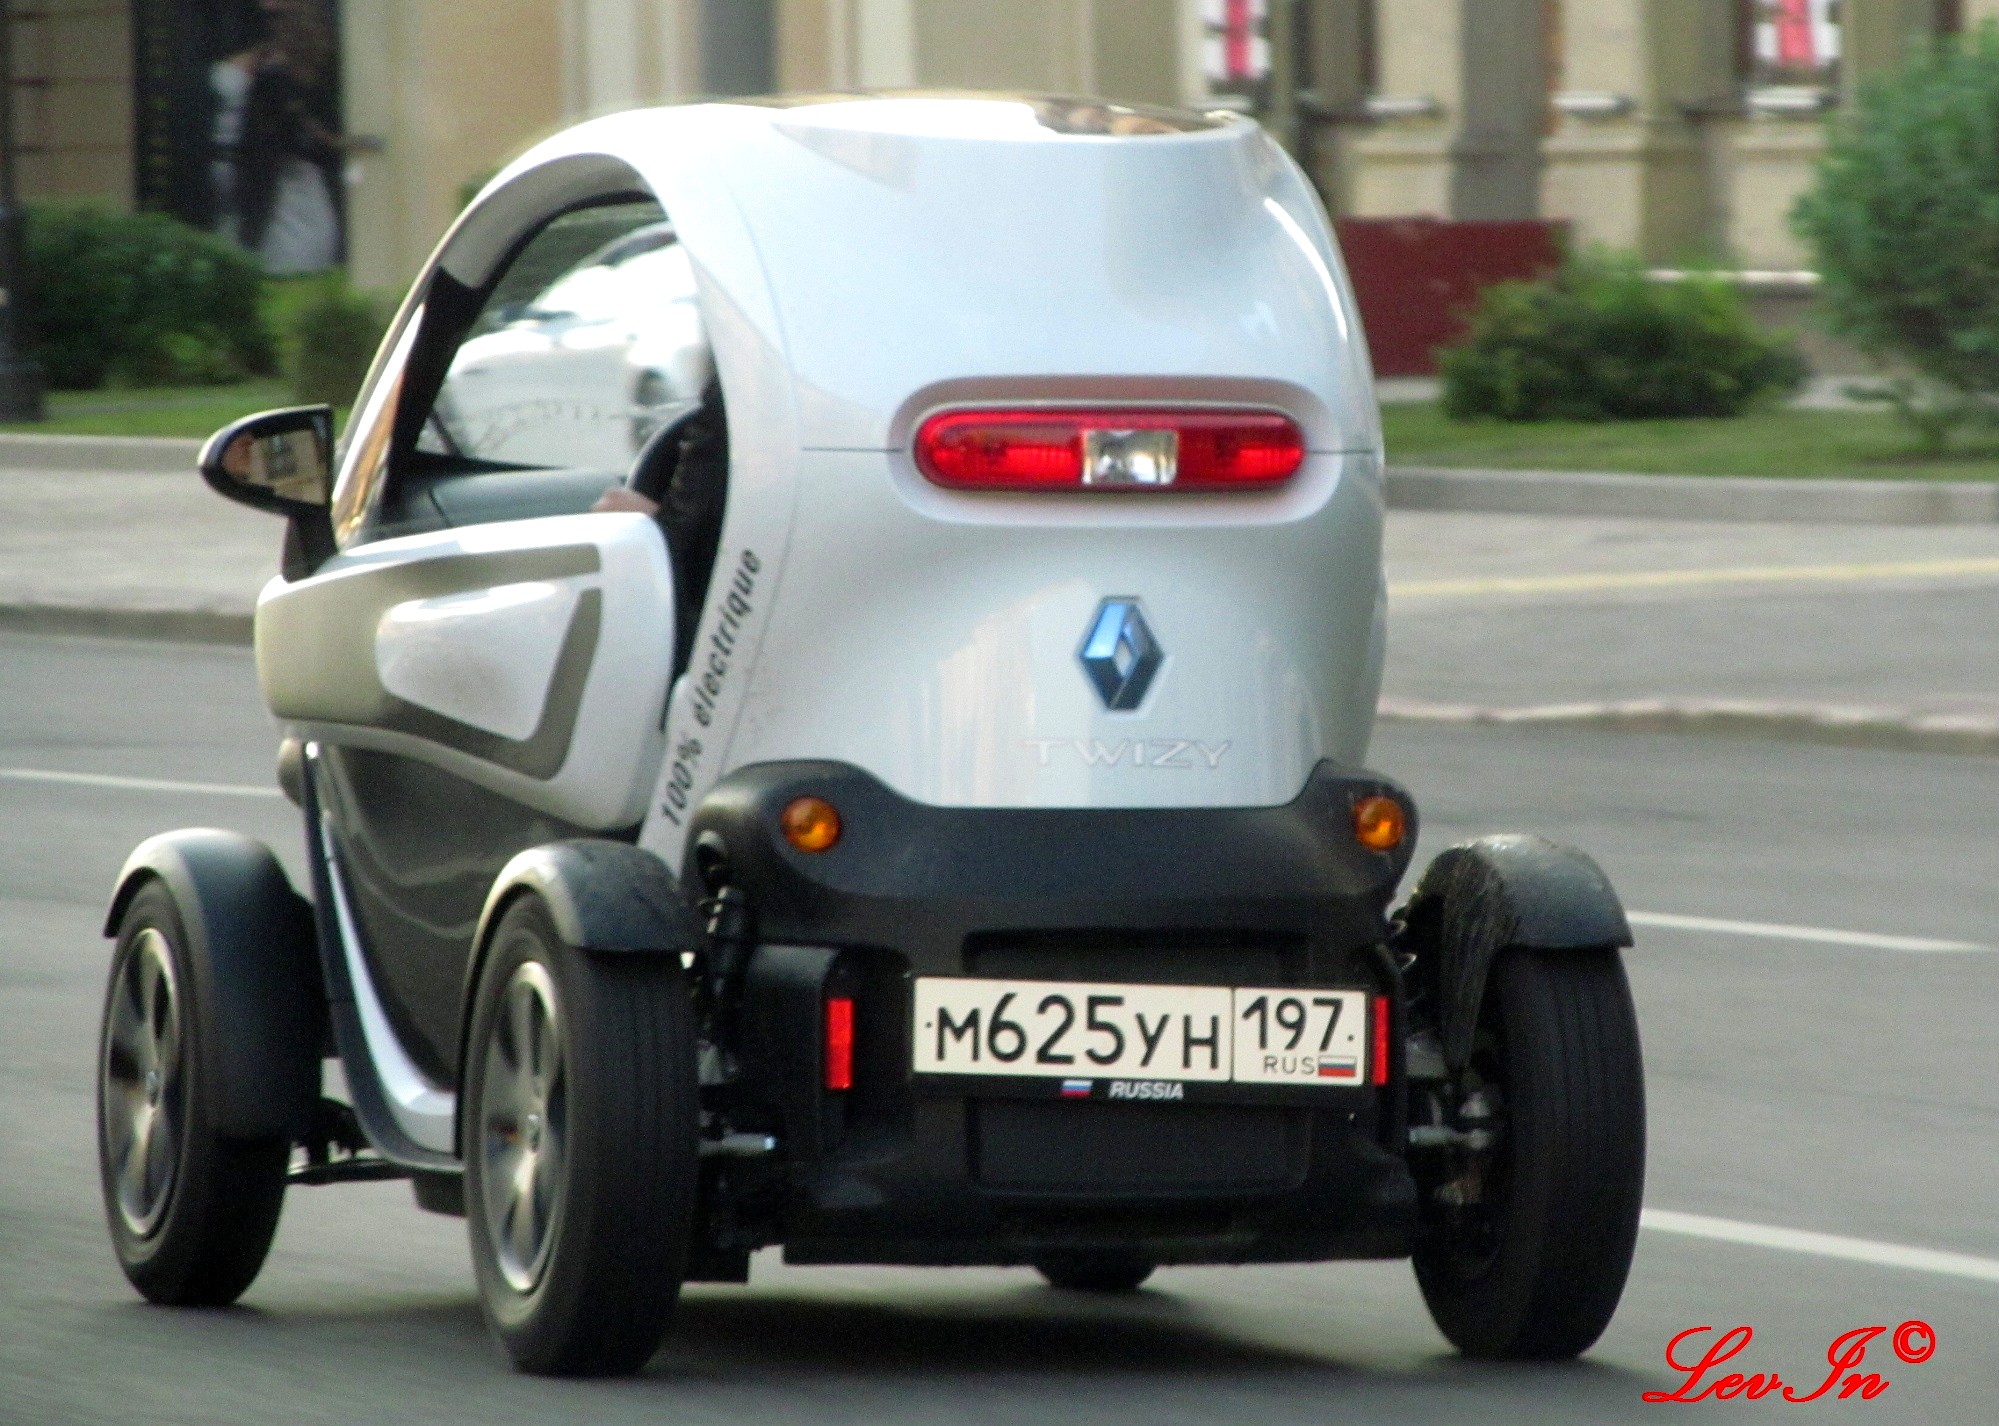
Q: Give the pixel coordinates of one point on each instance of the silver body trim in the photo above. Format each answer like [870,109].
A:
[427,1114]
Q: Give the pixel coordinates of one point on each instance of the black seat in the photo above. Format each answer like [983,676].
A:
[685,467]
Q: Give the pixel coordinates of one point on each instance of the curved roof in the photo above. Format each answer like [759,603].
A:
[864,255]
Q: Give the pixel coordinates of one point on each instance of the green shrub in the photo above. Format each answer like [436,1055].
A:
[139,299]
[332,334]
[1903,223]
[1600,341]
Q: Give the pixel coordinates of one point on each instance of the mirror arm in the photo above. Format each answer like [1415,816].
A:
[308,543]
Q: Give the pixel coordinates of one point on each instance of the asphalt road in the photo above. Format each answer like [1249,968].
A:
[1821,1087]
[1515,611]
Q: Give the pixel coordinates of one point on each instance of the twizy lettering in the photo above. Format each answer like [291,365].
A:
[1183,753]
[1913,1342]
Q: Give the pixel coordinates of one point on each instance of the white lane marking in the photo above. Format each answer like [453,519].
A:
[1822,1245]
[1770,931]
[135,784]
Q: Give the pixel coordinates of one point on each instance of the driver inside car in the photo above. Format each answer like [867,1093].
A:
[681,479]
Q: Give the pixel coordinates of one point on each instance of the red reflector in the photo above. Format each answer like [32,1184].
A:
[1109,448]
[1380,1075]
[840,1043]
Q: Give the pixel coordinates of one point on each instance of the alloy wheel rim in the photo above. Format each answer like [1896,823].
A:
[523,1127]
[144,1084]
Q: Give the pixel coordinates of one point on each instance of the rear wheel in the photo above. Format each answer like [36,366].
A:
[191,1213]
[1098,1271]
[581,1148]
[1528,1235]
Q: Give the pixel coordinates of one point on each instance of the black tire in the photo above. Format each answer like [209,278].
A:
[191,1213]
[580,1276]
[1098,1271]
[1535,1269]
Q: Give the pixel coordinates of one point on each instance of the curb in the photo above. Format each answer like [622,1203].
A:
[1694,497]
[186,626]
[141,454]
[1839,725]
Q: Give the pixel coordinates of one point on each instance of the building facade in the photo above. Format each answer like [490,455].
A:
[1679,128]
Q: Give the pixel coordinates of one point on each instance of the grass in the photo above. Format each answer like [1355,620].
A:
[1788,443]
[195,412]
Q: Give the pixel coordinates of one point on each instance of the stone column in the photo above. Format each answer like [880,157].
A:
[72,96]
[1122,49]
[440,95]
[1334,103]
[1626,164]
[1460,99]
[847,44]
[622,54]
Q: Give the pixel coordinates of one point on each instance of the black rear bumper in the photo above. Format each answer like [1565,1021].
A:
[900,1171]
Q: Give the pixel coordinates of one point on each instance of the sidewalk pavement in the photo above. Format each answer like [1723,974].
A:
[122,538]
[1869,633]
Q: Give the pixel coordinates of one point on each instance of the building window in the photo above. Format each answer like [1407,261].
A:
[1794,43]
[1236,49]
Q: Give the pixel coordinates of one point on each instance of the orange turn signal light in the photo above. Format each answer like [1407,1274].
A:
[810,824]
[1378,823]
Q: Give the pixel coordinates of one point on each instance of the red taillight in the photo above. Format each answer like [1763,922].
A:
[840,1043]
[1381,1046]
[1109,449]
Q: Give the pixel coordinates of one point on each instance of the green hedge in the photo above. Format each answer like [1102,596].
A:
[139,299]
[330,334]
[1599,340]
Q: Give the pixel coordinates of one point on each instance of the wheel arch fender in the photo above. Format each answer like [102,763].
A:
[1501,893]
[259,998]
[604,896]
[607,897]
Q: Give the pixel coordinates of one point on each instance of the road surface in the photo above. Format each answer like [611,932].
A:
[1823,1087]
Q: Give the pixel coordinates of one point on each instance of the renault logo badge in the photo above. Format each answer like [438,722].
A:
[1120,655]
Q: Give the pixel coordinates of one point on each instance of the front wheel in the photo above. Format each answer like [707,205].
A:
[581,1147]
[1528,1233]
[191,1212]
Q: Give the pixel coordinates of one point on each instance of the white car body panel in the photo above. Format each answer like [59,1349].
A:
[863,263]
[486,658]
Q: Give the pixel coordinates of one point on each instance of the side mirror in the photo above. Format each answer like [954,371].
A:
[280,461]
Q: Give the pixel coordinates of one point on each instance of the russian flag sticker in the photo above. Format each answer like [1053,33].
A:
[1077,1088]
[1338,1069]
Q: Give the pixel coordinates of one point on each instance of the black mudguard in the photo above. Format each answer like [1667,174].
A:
[604,896]
[1496,894]
[258,990]
[607,897]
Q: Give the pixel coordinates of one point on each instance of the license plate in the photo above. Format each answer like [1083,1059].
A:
[1080,1033]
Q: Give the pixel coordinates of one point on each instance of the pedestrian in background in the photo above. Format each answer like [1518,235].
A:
[277,146]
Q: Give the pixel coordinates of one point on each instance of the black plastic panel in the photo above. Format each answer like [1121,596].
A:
[420,849]
[901,1172]
[518,494]
[1138,1149]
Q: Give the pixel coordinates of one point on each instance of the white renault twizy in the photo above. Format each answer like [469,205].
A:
[827,681]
